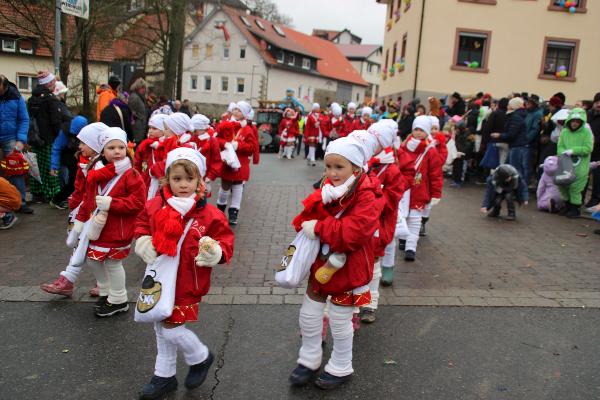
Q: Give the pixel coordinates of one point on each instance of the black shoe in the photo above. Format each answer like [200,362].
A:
[198,372]
[573,211]
[410,255]
[494,212]
[101,301]
[367,315]
[423,230]
[401,244]
[301,375]
[25,209]
[233,216]
[565,209]
[107,309]
[222,207]
[592,203]
[158,388]
[8,220]
[327,381]
[511,217]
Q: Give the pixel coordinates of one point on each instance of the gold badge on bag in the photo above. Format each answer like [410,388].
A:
[287,258]
[149,294]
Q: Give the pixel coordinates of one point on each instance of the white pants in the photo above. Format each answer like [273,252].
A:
[71,273]
[374,286]
[236,195]
[168,341]
[110,276]
[408,229]
[311,153]
[311,326]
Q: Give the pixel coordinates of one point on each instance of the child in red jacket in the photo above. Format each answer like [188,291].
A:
[348,120]
[146,153]
[341,215]
[208,242]
[243,140]
[208,145]
[418,159]
[439,138]
[117,192]
[364,122]
[314,132]
[288,130]
[90,144]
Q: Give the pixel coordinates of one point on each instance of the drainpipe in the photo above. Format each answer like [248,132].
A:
[414,94]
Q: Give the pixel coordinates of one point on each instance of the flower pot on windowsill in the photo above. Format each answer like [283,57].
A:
[388,25]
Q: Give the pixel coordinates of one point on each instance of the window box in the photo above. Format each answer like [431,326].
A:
[559,54]
[471,50]
[579,8]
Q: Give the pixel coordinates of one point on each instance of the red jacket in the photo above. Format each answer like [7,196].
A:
[347,124]
[360,125]
[393,186]
[145,157]
[426,183]
[291,124]
[247,144]
[440,146]
[311,131]
[192,282]
[76,197]
[350,234]
[128,197]
[209,147]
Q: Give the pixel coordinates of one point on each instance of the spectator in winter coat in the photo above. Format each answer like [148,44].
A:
[406,121]
[456,105]
[118,115]
[594,122]
[495,123]
[515,134]
[139,109]
[106,94]
[533,126]
[14,125]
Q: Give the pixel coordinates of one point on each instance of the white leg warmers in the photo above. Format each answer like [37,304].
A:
[166,354]
[427,211]
[374,286]
[223,196]
[117,292]
[389,256]
[414,225]
[311,326]
[71,273]
[289,151]
[236,195]
[101,275]
[340,323]
[311,153]
[186,341]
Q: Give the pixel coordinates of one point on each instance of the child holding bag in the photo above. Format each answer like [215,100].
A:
[341,215]
[208,242]
[90,144]
[114,196]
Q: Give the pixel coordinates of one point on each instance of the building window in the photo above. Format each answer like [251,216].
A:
[209,50]
[492,2]
[292,60]
[394,52]
[242,53]
[26,83]
[559,55]
[398,8]
[226,52]
[369,67]
[358,97]
[300,91]
[224,84]
[135,5]
[193,82]
[580,6]
[403,50]
[391,10]
[207,83]
[241,87]
[471,50]
[280,56]
[9,45]
[387,59]
[195,51]
[25,46]
[306,63]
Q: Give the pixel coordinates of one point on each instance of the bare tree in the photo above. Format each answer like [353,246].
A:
[268,10]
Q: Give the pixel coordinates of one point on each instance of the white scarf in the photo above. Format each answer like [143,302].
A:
[182,205]
[204,136]
[121,166]
[331,193]
[386,157]
[84,169]
[413,144]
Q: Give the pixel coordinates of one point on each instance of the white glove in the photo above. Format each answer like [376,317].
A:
[435,201]
[209,254]
[460,154]
[185,138]
[568,152]
[103,202]
[78,226]
[234,144]
[145,249]
[228,145]
[308,227]
[19,145]
[243,123]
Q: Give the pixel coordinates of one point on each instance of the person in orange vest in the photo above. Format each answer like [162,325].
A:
[106,94]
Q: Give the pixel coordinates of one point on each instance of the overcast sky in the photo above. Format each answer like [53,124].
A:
[365,18]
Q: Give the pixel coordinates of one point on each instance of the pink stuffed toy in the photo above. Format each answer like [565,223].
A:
[548,196]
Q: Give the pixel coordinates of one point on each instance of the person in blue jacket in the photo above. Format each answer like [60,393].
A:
[14,126]
[63,160]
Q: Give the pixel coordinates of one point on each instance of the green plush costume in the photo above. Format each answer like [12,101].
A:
[581,143]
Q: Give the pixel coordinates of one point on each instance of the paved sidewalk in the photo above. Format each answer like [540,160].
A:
[541,260]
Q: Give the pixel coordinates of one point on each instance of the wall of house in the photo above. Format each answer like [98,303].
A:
[303,84]
[199,63]
[516,49]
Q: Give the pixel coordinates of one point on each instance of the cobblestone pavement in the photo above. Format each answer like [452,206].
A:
[467,259]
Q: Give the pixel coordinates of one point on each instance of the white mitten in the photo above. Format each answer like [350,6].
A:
[243,123]
[122,165]
[185,138]
[308,227]
[435,202]
[103,202]
[97,225]
[145,249]
[78,226]
[228,145]
[209,252]
[234,144]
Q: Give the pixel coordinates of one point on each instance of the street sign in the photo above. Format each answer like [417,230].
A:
[78,8]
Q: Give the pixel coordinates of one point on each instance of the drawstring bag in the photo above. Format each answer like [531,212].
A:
[565,174]
[296,263]
[230,158]
[157,295]
[491,158]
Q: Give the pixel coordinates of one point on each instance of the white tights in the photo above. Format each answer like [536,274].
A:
[374,286]
[110,276]
[71,273]
[408,229]
[168,341]
[236,196]
[311,153]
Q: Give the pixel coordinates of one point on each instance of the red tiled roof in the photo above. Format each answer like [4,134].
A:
[357,50]
[329,34]
[139,38]
[14,23]
[331,62]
